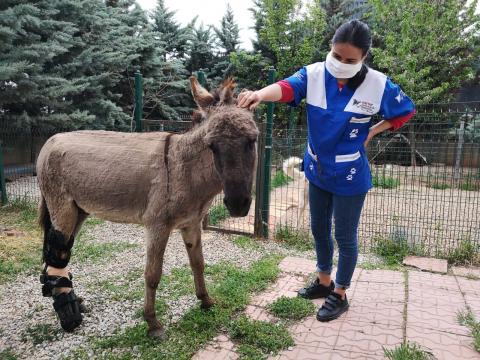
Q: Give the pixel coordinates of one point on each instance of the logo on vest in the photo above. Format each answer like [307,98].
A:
[311,167]
[353,133]
[353,171]
[365,106]
[400,96]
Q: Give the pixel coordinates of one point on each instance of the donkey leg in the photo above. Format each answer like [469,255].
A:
[192,236]
[60,229]
[156,241]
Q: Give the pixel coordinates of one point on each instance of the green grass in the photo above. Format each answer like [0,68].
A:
[407,351]
[466,253]
[97,252]
[439,186]
[40,333]
[245,242]
[279,179]
[393,251]
[466,318]
[259,338]
[19,253]
[7,354]
[293,238]
[23,253]
[292,308]
[249,352]
[470,186]
[385,182]
[229,286]
[217,214]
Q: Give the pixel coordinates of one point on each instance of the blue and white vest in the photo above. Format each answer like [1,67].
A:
[339,122]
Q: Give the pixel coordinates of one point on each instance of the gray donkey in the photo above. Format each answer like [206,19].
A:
[162,180]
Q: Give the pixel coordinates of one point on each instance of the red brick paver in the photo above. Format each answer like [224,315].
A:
[386,308]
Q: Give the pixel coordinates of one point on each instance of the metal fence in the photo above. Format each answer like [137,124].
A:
[426,176]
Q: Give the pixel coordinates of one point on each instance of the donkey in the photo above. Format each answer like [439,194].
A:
[162,180]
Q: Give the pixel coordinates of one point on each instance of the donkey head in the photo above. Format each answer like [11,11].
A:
[231,136]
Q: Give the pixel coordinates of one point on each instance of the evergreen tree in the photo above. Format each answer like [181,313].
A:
[201,47]
[228,33]
[31,89]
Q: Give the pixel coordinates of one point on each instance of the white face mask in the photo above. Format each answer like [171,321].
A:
[341,70]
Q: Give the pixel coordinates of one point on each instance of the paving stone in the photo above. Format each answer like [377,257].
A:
[382,276]
[469,286]
[444,346]
[427,281]
[286,285]
[367,338]
[427,264]
[297,265]
[221,349]
[258,313]
[466,271]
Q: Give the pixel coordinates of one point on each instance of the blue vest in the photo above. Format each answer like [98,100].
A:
[338,124]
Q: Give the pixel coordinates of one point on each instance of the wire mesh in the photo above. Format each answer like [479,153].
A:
[426,178]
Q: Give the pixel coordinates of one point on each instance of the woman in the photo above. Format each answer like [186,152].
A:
[341,94]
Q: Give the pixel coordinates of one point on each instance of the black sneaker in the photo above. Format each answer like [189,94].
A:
[333,307]
[316,290]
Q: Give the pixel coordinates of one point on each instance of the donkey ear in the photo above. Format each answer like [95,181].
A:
[201,96]
[226,92]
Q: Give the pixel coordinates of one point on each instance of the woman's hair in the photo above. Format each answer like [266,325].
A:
[355,33]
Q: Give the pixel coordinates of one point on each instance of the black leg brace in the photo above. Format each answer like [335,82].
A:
[57,248]
[56,253]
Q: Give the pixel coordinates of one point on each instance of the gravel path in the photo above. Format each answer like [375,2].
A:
[22,308]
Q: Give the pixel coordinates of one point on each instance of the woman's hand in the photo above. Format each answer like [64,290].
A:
[249,99]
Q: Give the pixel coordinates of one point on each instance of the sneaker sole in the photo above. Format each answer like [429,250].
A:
[330,318]
[312,297]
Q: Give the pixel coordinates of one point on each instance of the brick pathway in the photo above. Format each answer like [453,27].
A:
[386,307]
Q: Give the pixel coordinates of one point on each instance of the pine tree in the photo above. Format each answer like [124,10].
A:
[228,33]
[32,91]
[173,36]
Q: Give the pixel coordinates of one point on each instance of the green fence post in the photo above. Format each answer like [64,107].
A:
[268,159]
[138,101]
[201,78]
[3,188]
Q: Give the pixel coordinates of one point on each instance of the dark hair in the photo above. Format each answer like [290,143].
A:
[356,33]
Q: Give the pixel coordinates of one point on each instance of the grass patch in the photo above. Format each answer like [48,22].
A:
[84,251]
[40,333]
[248,352]
[292,308]
[19,253]
[393,251]
[245,242]
[466,253]
[385,182]
[7,354]
[469,186]
[23,253]
[466,318]
[279,179]
[266,338]
[407,351]
[294,238]
[439,186]
[231,287]
[217,213]
[178,283]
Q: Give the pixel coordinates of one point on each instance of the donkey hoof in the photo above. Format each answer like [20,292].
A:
[156,333]
[207,304]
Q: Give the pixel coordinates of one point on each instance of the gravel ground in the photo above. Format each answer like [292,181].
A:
[22,306]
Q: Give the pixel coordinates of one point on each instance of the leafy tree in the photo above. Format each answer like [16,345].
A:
[429,47]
